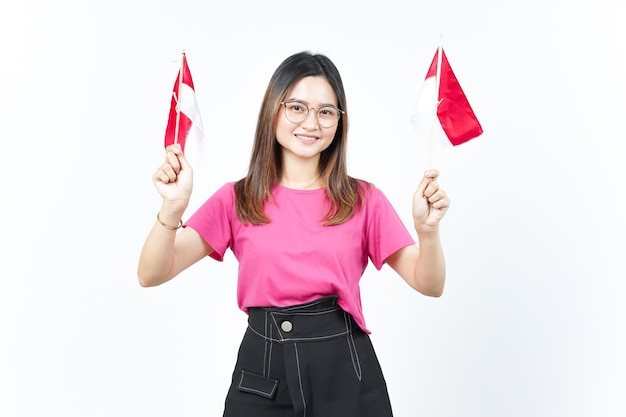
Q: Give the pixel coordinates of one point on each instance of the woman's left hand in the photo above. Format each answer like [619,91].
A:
[430,203]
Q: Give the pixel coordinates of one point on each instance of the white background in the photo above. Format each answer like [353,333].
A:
[533,319]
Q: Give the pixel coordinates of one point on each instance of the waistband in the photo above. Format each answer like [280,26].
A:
[318,320]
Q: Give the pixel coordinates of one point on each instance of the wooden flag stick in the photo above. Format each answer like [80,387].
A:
[180,84]
[437,101]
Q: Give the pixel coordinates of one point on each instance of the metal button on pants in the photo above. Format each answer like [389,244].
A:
[286,326]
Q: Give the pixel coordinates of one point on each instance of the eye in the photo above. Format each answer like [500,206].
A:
[296,107]
[328,112]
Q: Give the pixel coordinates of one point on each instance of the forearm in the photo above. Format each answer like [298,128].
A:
[430,269]
[157,255]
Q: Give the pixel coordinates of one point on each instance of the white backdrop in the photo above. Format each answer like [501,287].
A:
[533,319]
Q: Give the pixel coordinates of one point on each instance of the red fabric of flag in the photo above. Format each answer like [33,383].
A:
[190,130]
[454,111]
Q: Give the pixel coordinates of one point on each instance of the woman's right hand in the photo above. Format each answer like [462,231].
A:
[174,178]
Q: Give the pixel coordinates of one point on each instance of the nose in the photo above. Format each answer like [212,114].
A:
[310,121]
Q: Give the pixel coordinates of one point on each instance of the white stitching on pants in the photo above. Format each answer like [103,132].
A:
[248,389]
[316,313]
[352,348]
[269,361]
[296,339]
[295,346]
[356,355]
[265,349]
[310,304]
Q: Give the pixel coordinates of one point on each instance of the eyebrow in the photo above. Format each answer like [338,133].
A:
[308,104]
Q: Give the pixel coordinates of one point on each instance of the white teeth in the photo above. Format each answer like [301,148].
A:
[307,138]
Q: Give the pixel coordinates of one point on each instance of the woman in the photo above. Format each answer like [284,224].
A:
[303,232]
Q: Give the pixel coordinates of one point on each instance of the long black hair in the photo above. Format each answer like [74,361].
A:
[265,169]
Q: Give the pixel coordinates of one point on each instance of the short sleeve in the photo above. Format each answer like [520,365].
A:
[386,233]
[213,220]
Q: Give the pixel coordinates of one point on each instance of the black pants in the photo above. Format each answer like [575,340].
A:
[308,360]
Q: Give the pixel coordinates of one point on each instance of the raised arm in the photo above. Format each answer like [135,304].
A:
[423,267]
[168,251]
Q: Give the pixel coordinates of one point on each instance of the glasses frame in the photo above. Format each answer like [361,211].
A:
[308,111]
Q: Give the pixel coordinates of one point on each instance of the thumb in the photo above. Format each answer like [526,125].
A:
[184,163]
[423,184]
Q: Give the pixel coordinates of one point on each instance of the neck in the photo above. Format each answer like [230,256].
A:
[309,184]
[302,175]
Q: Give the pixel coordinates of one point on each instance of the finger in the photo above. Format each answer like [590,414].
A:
[165,174]
[173,151]
[441,204]
[422,185]
[436,196]
[429,176]
[160,176]
[174,148]
[432,173]
[171,159]
[431,189]
[170,171]
[184,163]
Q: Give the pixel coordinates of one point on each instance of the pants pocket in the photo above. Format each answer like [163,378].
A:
[257,384]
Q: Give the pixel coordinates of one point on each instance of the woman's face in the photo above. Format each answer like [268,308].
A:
[308,138]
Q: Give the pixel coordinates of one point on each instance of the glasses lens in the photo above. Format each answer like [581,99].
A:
[296,112]
[328,116]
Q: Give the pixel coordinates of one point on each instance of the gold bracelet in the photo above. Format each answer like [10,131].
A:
[167,226]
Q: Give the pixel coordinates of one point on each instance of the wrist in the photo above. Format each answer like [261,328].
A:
[175,208]
[426,231]
[171,214]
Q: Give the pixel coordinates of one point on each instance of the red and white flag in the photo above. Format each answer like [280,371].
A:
[184,125]
[455,122]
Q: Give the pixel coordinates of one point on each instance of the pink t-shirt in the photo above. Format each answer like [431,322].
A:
[295,259]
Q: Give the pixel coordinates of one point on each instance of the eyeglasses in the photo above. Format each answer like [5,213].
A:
[297,112]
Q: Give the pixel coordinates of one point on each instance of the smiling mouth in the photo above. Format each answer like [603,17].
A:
[306,138]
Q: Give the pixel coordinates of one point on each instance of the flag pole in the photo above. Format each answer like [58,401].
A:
[180,83]
[437,101]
